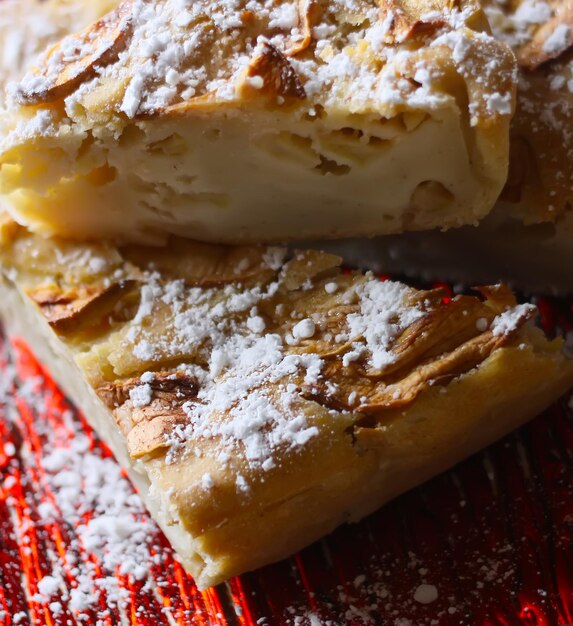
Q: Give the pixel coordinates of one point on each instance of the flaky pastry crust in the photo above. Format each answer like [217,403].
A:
[260,399]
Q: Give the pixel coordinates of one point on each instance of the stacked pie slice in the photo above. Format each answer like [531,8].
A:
[261,396]
[262,121]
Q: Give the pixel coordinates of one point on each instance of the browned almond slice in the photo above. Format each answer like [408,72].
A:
[439,371]
[446,327]
[167,387]
[552,40]
[437,332]
[411,17]
[146,423]
[444,344]
[69,310]
[269,73]
[308,11]
[309,265]
[149,435]
[498,297]
[77,58]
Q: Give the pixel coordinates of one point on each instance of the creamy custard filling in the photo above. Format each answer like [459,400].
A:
[244,177]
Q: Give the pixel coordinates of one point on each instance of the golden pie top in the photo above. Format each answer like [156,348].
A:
[149,57]
[234,346]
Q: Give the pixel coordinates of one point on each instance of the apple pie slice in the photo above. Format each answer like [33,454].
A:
[262,121]
[259,400]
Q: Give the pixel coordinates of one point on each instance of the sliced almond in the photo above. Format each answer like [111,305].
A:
[70,310]
[498,297]
[270,74]
[444,344]
[414,17]
[77,58]
[147,427]
[439,331]
[169,388]
[308,11]
[150,435]
[550,41]
[438,371]
[309,265]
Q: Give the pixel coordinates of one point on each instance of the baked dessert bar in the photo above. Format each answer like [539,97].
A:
[260,400]
[261,121]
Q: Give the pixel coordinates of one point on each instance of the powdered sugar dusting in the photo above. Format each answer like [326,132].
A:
[466,541]
[179,50]
[379,325]
[515,27]
[113,536]
[425,594]
[509,320]
[558,40]
[246,400]
[141,395]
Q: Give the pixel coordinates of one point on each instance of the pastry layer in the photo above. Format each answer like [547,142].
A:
[261,122]
[260,400]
